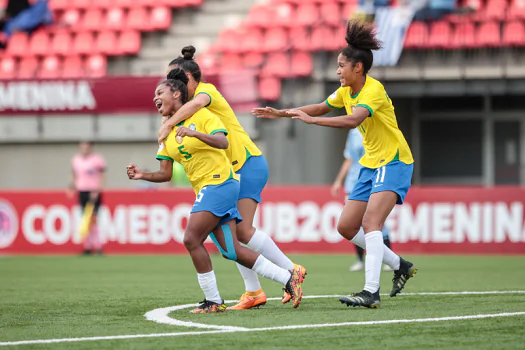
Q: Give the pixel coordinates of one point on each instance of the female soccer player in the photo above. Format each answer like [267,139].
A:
[199,144]
[387,162]
[247,161]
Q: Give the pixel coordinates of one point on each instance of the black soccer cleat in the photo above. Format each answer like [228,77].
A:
[401,276]
[364,298]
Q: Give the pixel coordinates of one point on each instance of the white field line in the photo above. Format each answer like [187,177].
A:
[280,328]
[231,329]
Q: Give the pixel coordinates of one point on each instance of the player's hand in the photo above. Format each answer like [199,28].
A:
[93,196]
[336,189]
[184,131]
[134,172]
[164,131]
[269,113]
[298,114]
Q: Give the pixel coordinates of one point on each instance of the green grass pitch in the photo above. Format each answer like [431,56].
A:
[79,297]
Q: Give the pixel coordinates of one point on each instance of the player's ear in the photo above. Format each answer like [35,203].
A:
[176,95]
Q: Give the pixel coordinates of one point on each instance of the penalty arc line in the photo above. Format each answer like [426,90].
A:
[279,328]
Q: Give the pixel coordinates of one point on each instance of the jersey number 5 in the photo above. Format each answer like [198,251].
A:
[184,153]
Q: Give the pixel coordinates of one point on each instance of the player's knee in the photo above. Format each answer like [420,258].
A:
[190,242]
[347,229]
[244,233]
[371,223]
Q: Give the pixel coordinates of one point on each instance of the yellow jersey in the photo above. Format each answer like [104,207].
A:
[204,165]
[382,139]
[241,146]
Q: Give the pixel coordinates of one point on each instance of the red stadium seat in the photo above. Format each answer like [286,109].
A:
[302,64]
[253,60]
[39,43]
[62,43]
[124,3]
[516,10]
[324,39]
[96,66]
[81,4]
[330,14]
[73,67]
[495,10]
[129,43]
[230,62]
[232,39]
[106,44]
[260,15]
[72,18]
[277,65]
[417,36]
[463,36]
[173,3]
[59,4]
[439,37]
[92,20]
[102,4]
[276,39]
[115,19]
[488,35]
[18,44]
[193,3]
[27,68]
[514,34]
[209,63]
[84,43]
[348,11]
[269,89]
[306,15]
[50,68]
[8,68]
[138,19]
[300,39]
[282,15]
[160,18]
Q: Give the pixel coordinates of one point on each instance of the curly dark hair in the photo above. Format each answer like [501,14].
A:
[361,40]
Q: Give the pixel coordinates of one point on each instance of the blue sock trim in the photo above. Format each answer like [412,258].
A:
[230,252]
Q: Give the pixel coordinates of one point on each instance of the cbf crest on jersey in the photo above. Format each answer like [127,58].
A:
[193,127]
[334,95]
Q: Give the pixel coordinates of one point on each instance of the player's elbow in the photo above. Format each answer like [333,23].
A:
[223,143]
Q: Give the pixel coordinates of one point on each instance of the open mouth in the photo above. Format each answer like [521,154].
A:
[158,104]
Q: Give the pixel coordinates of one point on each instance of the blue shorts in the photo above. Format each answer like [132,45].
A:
[253,176]
[396,176]
[220,200]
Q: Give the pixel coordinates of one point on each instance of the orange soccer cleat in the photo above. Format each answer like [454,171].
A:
[293,289]
[250,300]
[208,307]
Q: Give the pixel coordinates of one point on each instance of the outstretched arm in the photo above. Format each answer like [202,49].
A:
[316,110]
[161,175]
[345,121]
[186,111]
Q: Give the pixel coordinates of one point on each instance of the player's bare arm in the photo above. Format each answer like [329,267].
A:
[217,140]
[317,109]
[345,121]
[187,110]
[162,175]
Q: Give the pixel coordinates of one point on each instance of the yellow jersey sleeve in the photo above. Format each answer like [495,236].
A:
[372,99]
[336,100]
[162,153]
[213,125]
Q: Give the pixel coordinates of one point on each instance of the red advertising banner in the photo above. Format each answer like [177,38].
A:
[301,219]
[109,95]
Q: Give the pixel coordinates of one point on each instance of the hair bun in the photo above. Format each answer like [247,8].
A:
[178,74]
[188,52]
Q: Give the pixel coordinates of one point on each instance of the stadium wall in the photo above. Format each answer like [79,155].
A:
[301,219]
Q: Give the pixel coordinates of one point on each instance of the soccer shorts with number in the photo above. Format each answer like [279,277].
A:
[220,200]
[395,176]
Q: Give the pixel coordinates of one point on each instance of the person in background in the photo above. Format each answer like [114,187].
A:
[349,173]
[25,17]
[87,180]
[435,10]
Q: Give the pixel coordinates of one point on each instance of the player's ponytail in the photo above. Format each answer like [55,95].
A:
[177,85]
[178,74]
[187,62]
[361,40]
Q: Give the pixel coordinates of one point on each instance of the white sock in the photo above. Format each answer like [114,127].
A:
[263,244]
[208,285]
[266,268]
[389,257]
[373,260]
[251,281]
